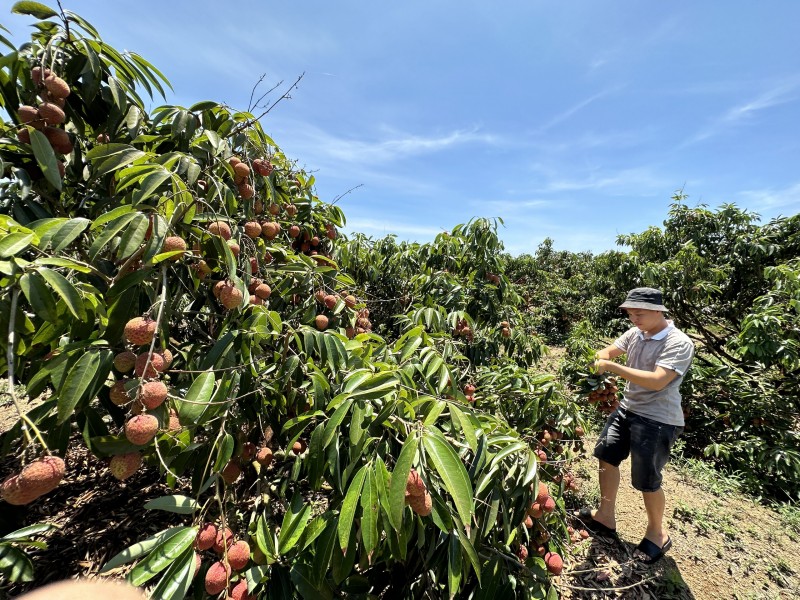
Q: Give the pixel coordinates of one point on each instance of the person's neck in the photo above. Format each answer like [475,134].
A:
[657,329]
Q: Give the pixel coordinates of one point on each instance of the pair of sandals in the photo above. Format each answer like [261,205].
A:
[649,549]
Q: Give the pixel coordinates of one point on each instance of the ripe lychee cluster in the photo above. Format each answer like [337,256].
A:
[544,502]
[36,479]
[505,329]
[417,496]
[462,329]
[603,394]
[52,91]
[234,555]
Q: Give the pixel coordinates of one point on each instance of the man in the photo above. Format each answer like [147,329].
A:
[649,417]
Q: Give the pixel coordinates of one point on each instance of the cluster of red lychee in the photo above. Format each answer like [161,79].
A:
[417,496]
[45,117]
[232,554]
[150,393]
[505,329]
[462,329]
[469,392]
[36,479]
[543,504]
[605,397]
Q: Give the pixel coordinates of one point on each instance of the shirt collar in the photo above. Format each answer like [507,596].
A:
[661,334]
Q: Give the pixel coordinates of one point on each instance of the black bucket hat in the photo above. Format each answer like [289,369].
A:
[646,298]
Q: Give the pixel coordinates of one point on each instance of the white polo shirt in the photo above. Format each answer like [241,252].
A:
[669,348]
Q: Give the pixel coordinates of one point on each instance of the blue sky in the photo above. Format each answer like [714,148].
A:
[574,120]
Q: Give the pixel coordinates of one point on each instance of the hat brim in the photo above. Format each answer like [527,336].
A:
[644,305]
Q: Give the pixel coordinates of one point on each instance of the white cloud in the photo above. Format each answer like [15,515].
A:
[563,116]
[385,227]
[770,200]
[640,180]
[780,94]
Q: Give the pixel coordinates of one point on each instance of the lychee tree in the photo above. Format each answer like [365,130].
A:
[171,293]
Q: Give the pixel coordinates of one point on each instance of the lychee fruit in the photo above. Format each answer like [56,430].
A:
[321,322]
[198,562]
[554,563]
[241,169]
[579,431]
[234,246]
[220,228]
[59,139]
[239,591]
[118,395]
[231,473]
[543,493]
[274,209]
[246,191]
[36,479]
[172,244]
[239,555]
[263,291]
[51,113]
[252,229]
[57,87]
[153,394]
[230,296]
[37,75]
[291,210]
[206,536]
[528,522]
[141,429]
[264,456]
[299,447]
[166,354]
[294,231]
[350,301]
[174,422]
[330,301]
[422,505]
[223,540]
[125,361]
[217,578]
[234,160]
[415,486]
[549,505]
[123,466]
[270,229]
[469,389]
[30,115]
[248,450]
[522,553]
[262,167]
[156,366]
[140,330]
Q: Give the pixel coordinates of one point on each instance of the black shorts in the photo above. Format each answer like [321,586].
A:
[647,441]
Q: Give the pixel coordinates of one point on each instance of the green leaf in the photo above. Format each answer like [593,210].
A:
[336,419]
[376,386]
[39,296]
[134,235]
[110,233]
[453,565]
[15,564]
[452,471]
[34,9]
[323,551]
[369,514]
[13,243]
[177,503]
[176,581]
[68,293]
[225,452]
[28,531]
[45,157]
[55,261]
[138,549]
[67,233]
[77,383]
[471,553]
[162,556]
[304,582]
[465,425]
[397,487]
[294,524]
[349,505]
[197,398]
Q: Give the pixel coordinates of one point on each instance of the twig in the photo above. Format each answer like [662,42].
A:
[249,122]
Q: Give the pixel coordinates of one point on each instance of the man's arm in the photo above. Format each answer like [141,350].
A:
[651,380]
[611,352]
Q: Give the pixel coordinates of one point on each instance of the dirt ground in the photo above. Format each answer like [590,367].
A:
[724,546]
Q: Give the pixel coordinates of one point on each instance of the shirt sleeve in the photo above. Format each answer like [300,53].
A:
[623,342]
[677,355]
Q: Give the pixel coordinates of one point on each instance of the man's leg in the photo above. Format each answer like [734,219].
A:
[609,485]
[654,503]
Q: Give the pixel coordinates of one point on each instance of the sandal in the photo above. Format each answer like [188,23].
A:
[596,527]
[652,551]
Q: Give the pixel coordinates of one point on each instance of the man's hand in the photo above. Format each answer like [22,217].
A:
[600,366]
